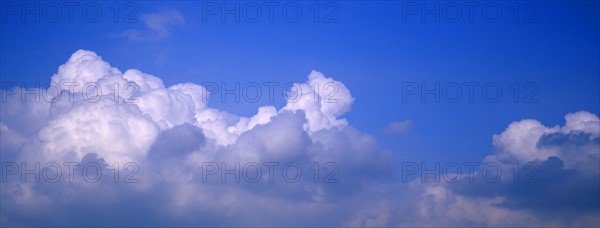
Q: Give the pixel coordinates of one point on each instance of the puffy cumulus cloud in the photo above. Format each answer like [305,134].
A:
[84,67]
[24,117]
[557,183]
[167,107]
[115,131]
[443,206]
[165,158]
[546,192]
[576,143]
[97,114]
[583,121]
[564,161]
[263,116]
[557,180]
[145,82]
[322,99]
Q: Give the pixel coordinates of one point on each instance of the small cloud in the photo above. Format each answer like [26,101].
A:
[161,22]
[400,127]
[158,25]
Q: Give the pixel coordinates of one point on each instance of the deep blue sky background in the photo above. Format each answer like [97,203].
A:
[371,50]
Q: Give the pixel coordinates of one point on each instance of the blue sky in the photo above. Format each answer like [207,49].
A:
[370,49]
[368,46]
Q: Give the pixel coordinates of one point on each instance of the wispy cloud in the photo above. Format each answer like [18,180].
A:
[158,25]
[400,127]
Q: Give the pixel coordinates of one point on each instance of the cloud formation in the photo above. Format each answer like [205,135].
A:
[400,127]
[158,25]
[175,155]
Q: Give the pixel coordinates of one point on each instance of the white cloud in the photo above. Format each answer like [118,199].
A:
[524,141]
[116,132]
[161,22]
[83,67]
[322,99]
[401,127]
[158,25]
[171,132]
